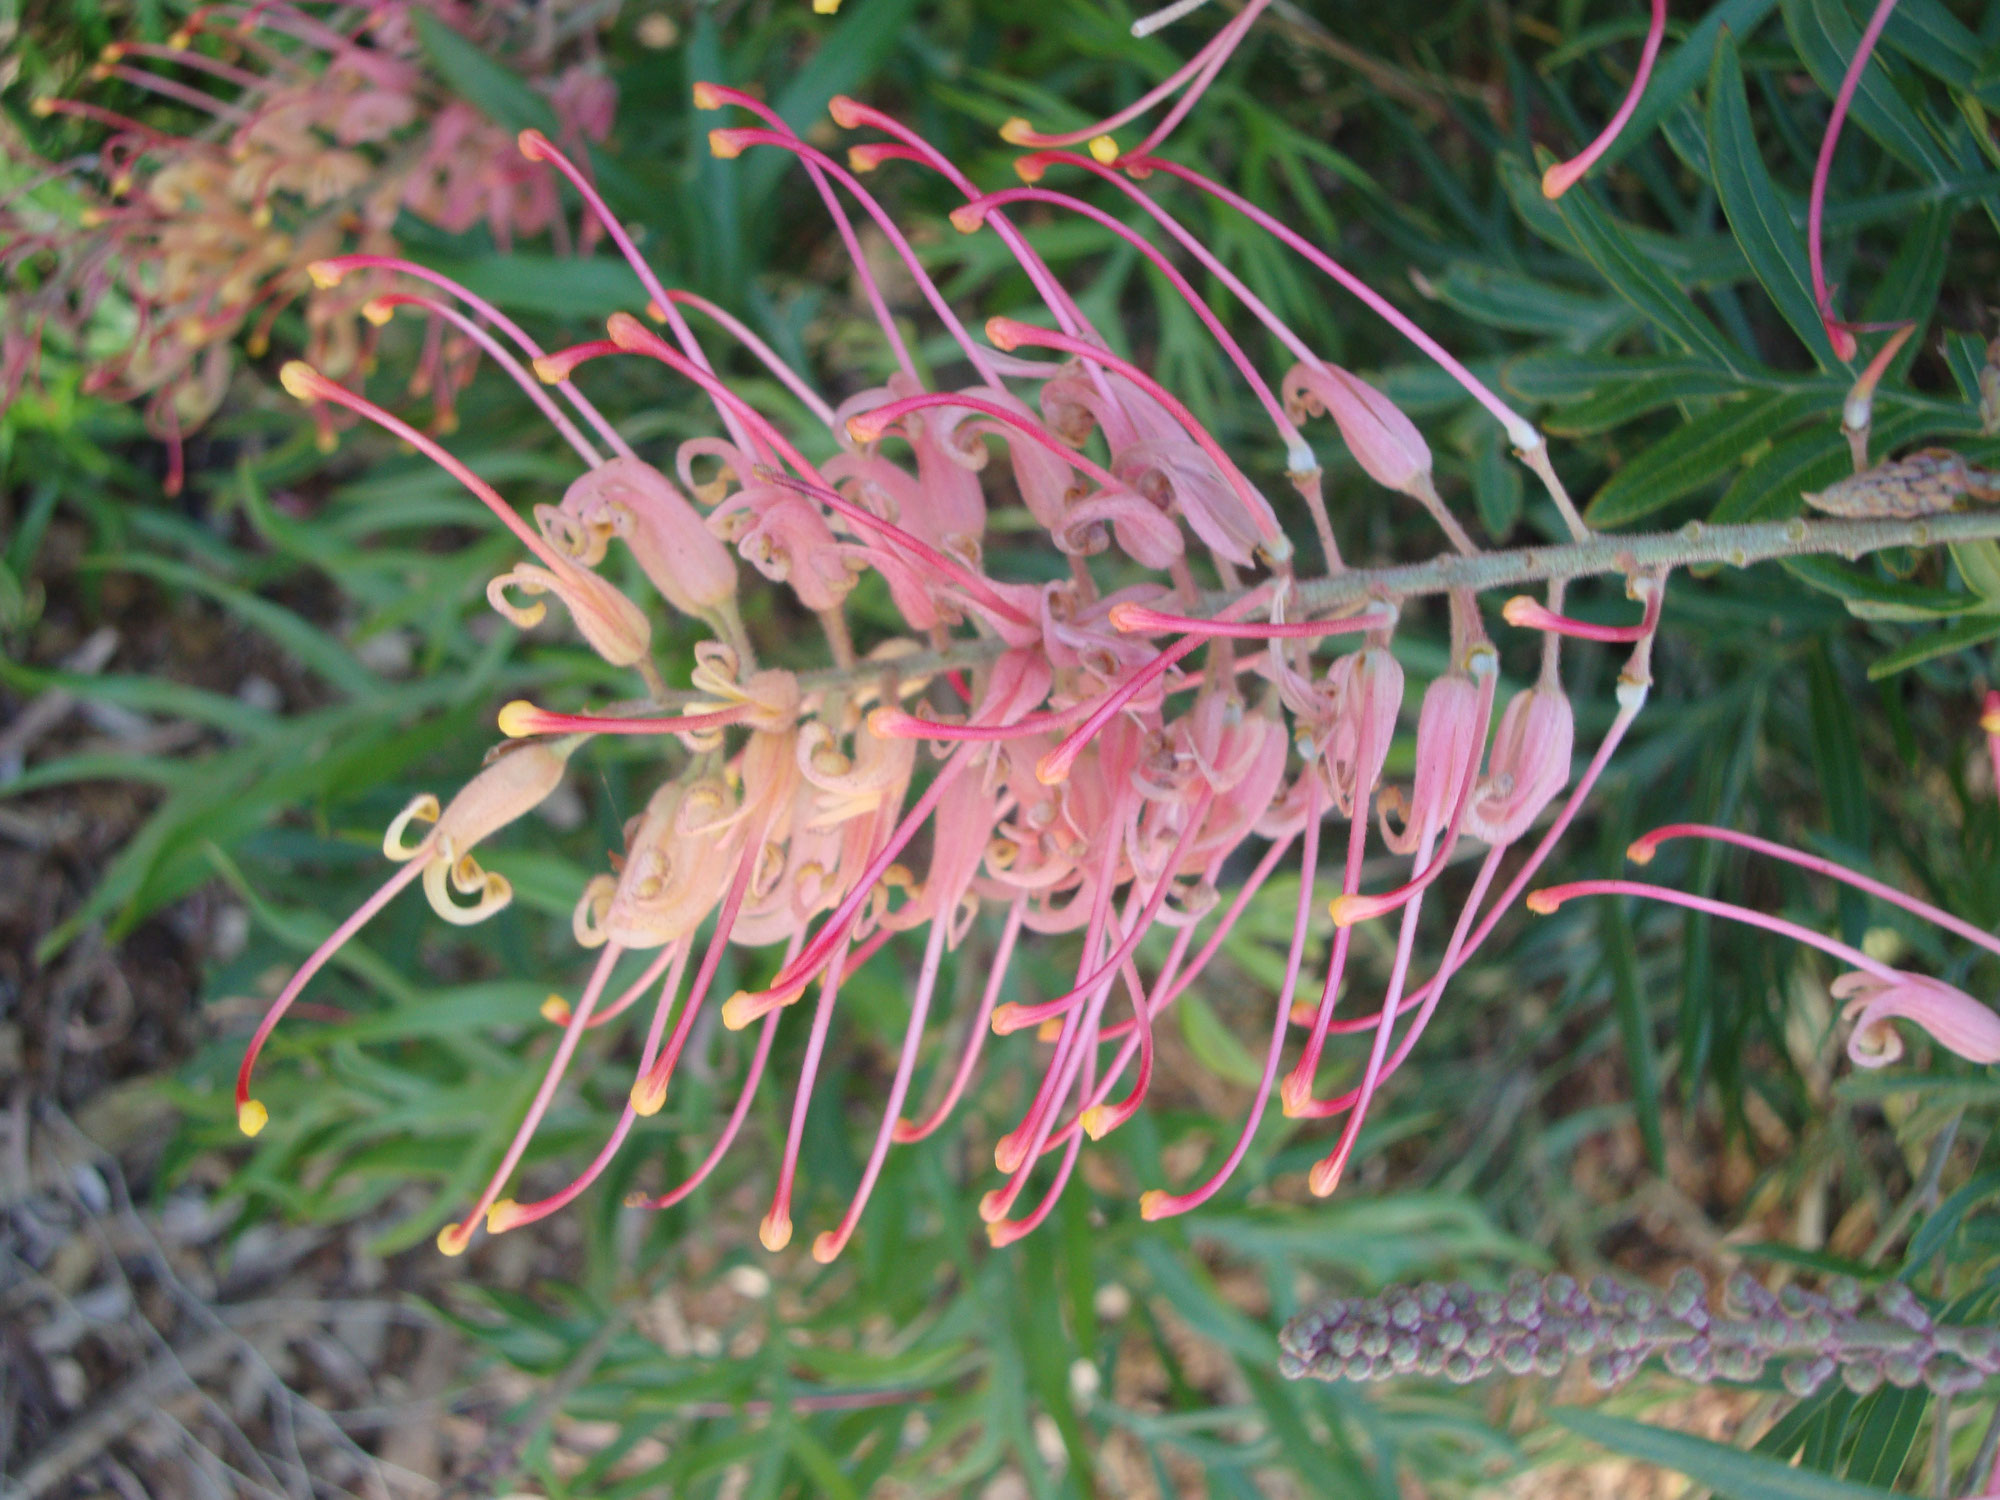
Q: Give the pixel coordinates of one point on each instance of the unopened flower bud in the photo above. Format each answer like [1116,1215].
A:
[615,627]
[685,561]
[1384,442]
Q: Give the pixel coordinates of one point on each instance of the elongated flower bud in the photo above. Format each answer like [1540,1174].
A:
[1528,765]
[1383,441]
[1446,724]
[615,627]
[1370,688]
[686,562]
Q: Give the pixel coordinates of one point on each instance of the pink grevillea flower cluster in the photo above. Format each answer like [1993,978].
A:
[1069,759]
[1876,994]
[270,136]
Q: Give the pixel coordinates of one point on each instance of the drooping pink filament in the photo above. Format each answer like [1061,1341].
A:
[1003,953]
[1190,74]
[1055,766]
[537,392]
[1007,334]
[1138,619]
[1564,175]
[459,1234]
[329,272]
[1642,850]
[978,357]
[501,1216]
[714,96]
[1531,614]
[309,385]
[765,355]
[852,114]
[1017,1017]
[520,719]
[1159,1204]
[1838,333]
[1550,897]
[1520,431]
[830,1243]
[869,426]
[315,961]
[973,584]
[538,147]
[972,213]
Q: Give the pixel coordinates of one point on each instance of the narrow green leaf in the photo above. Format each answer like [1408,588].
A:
[1770,487]
[1943,1222]
[1870,598]
[1836,757]
[1501,298]
[144,770]
[818,1461]
[1640,279]
[1615,405]
[151,695]
[1635,1031]
[1700,453]
[568,286]
[1821,1450]
[1934,39]
[1811,460]
[851,50]
[491,88]
[1764,224]
[1825,33]
[1730,1472]
[1979,565]
[314,647]
[1497,489]
[1973,631]
[1907,290]
[1791,1431]
[1965,353]
[1214,1045]
[1572,377]
[1885,1434]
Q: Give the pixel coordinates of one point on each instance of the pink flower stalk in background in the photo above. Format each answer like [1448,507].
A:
[1089,762]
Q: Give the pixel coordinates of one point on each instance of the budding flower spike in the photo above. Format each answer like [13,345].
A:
[1538,1325]
[1857,412]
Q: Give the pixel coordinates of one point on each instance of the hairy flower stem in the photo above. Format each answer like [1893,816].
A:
[1694,545]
